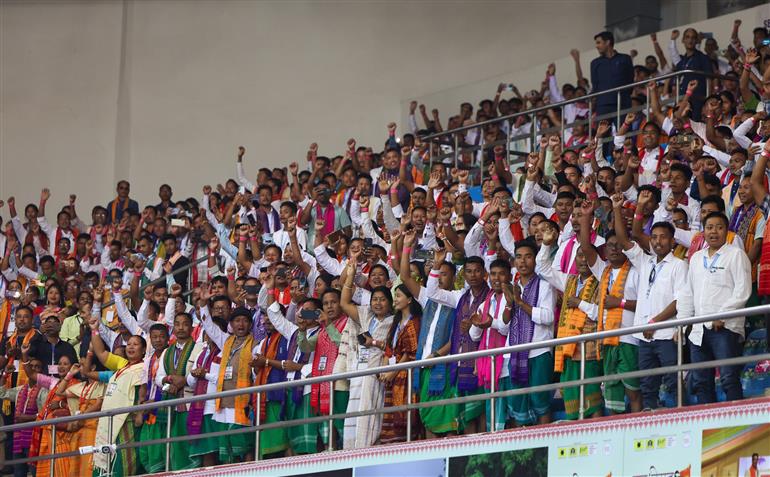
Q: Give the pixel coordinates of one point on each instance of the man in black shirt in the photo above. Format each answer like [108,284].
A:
[610,70]
[50,349]
[693,59]
[175,260]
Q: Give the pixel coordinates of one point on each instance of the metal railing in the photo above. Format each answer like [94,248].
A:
[452,137]
[492,395]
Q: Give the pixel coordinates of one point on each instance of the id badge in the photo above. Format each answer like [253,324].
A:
[110,315]
[229,372]
[322,363]
[363,354]
[392,360]
[53,369]
[111,388]
[11,327]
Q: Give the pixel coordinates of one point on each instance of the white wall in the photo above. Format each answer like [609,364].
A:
[448,101]
[164,91]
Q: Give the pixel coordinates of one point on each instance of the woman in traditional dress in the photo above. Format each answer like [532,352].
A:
[366,392]
[56,405]
[122,391]
[89,394]
[401,346]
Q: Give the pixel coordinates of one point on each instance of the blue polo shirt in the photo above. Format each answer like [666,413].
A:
[608,73]
[698,61]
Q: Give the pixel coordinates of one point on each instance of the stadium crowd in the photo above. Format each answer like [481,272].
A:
[381,255]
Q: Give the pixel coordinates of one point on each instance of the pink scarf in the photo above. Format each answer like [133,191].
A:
[328,217]
[496,340]
[567,264]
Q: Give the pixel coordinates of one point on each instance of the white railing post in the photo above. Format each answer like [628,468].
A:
[582,402]
[679,360]
[331,413]
[492,387]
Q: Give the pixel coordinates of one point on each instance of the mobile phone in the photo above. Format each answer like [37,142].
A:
[423,255]
[177,223]
[310,314]
[263,270]
[440,243]
[362,337]
[281,273]
[251,219]
[508,87]
[368,243]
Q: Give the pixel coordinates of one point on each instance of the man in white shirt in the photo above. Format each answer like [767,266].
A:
[490,331]
[659,278]
[719,280]
[530,320]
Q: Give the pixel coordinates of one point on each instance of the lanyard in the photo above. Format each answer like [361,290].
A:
[610,282]
[120,371]
[372,325]
[400,327]
[653,276]
[580,284]
[177,353]
[233,351]
[87,389]
[710,267]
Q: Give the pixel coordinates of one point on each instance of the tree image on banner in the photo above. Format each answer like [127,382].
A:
[524,462]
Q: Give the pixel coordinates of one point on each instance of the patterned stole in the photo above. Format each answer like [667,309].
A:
[274,348]
[464,372]
[195,416]
[612,319]
[179,368]
[242,375]
[326,351]
[521,330]
[26,405]
[573,321]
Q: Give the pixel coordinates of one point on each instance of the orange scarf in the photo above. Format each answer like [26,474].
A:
[269,351]
[5,317]
[572,321]
[614,316]
[114,208]
[243,375]
[22,377]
